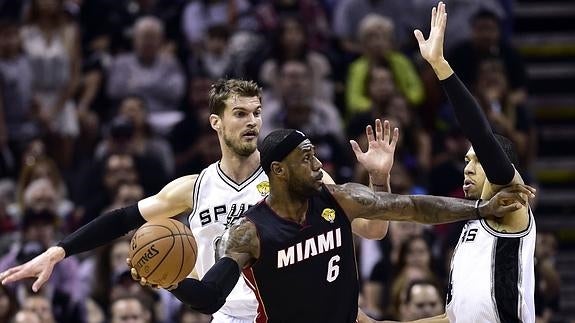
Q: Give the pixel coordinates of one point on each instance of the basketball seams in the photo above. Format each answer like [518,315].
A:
[175,230]
[165,254]
[181,258]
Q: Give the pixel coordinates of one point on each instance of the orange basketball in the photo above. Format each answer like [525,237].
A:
[163,251]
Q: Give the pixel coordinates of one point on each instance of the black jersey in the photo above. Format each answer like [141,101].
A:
[305,272]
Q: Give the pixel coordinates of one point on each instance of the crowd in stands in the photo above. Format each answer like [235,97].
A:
[102,102]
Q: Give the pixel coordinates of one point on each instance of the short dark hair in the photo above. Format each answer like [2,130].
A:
[222,89]
[416,282]
[509,148]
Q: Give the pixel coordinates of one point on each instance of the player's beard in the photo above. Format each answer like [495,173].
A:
[239,148]
[303,189]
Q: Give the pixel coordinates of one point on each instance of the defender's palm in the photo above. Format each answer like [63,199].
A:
[431,49]
[378,159]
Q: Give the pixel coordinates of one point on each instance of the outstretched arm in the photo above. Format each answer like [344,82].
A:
[170,201]
[378,161]
[359,201]
[474,124]
[209,295]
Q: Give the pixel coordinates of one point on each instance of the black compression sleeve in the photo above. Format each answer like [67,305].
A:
[102,230]
[476,128]
[209,295]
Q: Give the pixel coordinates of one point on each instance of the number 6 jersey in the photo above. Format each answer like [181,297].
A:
[306,272]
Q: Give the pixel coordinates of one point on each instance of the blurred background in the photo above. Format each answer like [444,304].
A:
[102,102]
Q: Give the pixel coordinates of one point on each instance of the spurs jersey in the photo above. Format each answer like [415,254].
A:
[492,275]
[305,273]
[218,203]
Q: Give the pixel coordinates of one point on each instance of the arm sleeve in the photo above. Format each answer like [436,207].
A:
[102,230]
[476,128]
[209,295]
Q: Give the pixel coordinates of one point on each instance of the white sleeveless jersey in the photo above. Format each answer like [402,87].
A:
[492,275]
[218,201]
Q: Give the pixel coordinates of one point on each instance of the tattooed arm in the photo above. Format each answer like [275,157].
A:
[359,201]
[207,296]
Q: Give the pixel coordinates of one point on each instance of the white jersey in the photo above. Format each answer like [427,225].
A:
[219,201]
[492,275]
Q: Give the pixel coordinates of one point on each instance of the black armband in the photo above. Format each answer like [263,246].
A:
[102,230]
[209,295]
[474,124]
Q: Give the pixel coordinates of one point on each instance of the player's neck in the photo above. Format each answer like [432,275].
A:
[288,207]
[237,167]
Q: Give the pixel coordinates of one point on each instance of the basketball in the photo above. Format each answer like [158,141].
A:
[163,251]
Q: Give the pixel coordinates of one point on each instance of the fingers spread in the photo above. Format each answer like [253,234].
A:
[355,148]
[369,133]
[395,137]
[380,131]
[419,36]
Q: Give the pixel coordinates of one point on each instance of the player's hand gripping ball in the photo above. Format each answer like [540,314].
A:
[162,253]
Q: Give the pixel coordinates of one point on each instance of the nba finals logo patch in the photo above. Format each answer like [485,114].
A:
[263,188]
[328,215]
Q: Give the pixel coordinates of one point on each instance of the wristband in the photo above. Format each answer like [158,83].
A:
[477,214]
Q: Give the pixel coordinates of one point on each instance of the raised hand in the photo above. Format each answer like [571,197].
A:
[431,49]
[378,159]
[507,200]
[40,267]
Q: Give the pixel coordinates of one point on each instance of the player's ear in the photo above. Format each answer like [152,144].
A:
[215,121]
[277,168]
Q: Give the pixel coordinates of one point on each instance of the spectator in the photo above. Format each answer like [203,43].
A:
[148,72]
[129,309]
[297,108]
[486,42]
[17,119]
[547,279]
[42,167]
[375,34]
[114,170]
[52,45]
[37,233]
[101,271]
[378,282]
[26,316]
[42,195]
[198,16]
[112,22]
[399,286]
[349,14]
[421,300]
[8,304]
[272,14]
[41,306]
[291,42]
[505,115]
[213,58]
[194,142]
[135,135]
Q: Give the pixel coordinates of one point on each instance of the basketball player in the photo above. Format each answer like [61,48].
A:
[492,269]
[217,196]
[295,247]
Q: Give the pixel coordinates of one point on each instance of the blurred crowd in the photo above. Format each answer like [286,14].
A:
[102,102]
